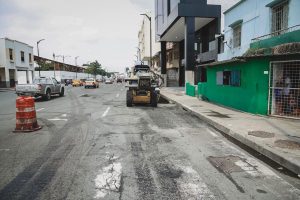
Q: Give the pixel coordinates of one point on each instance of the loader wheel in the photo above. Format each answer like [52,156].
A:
[154,99]
[129,98]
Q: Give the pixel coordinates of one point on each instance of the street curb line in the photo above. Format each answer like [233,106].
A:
[252,145]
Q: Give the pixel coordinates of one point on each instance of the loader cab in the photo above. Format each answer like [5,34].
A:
[141,68]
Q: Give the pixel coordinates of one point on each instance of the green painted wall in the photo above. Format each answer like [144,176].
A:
[251,96]
[277,40]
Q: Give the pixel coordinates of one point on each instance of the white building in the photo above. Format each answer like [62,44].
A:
[16,62]
[144,41]
[251,20]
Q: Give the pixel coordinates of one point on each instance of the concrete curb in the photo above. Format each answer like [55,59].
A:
[281,160]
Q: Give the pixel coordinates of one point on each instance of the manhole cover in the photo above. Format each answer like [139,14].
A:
[261,134]
[85,95]
[287,144]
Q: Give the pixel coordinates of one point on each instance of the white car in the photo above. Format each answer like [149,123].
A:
[108,81]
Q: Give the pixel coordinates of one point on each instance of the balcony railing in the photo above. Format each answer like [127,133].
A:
[276,33]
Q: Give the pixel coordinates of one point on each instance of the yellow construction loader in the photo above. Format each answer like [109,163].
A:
[143,86]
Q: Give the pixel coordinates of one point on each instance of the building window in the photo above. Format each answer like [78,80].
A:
[22,56]
[232,78]
[280,17]
[237,36]
[11,57]
[30,58]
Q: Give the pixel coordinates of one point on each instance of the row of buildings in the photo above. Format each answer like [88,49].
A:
[246,57]
[18,64]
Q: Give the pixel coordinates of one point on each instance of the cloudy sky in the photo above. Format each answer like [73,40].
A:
[103,30]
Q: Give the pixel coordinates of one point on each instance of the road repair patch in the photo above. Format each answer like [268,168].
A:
[287,144]
[261,134]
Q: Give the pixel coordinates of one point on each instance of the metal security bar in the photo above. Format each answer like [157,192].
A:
[280,17]
[284,94]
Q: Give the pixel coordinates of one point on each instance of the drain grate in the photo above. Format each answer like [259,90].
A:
[287,144]
[261,134]
[217,114]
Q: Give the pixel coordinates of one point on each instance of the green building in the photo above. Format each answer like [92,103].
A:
[260,75]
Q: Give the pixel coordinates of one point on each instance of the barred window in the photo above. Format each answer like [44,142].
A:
[22,56]
[280,17]
[237,36]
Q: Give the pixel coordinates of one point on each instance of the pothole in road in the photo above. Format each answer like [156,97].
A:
[261,134]
[163,100]
[287,144]
[231,164]
[225,164]
[85,95]
[167,171]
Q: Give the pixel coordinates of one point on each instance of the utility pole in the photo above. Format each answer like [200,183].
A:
[54,65]
[63,57]
[38,51]
[76,65]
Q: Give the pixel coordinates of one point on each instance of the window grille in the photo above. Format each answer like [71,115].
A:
[237,34]
[280,18]
[285,89]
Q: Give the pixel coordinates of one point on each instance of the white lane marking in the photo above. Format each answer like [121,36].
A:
[38,110]
[212,133]
[64,115]
[117,95]
[106,111]
[58,119]
[4,149]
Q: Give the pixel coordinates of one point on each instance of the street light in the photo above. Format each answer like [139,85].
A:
[54,64]
[76,65]
[149,18]
[37,45]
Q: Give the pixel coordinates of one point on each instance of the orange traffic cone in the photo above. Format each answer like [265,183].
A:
[26,115]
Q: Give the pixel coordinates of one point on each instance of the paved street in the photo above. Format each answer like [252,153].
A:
[93,147]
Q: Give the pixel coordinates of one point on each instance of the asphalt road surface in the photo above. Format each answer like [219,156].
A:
[93,147]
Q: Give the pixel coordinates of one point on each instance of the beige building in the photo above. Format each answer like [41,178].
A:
[144,41]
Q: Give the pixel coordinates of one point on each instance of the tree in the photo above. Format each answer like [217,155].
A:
[94,68]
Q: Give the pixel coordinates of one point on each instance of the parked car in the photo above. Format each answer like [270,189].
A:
[77,83]
[108,81]
[120,80]
[41,87]
[91,83]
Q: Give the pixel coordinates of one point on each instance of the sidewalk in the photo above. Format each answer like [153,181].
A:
[278,139]
[6,89]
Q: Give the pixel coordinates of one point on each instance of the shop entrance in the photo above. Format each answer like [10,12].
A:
[284,90]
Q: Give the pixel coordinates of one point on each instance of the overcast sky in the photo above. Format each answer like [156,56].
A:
[103,30]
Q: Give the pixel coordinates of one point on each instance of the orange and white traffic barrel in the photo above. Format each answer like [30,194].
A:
[25,115]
